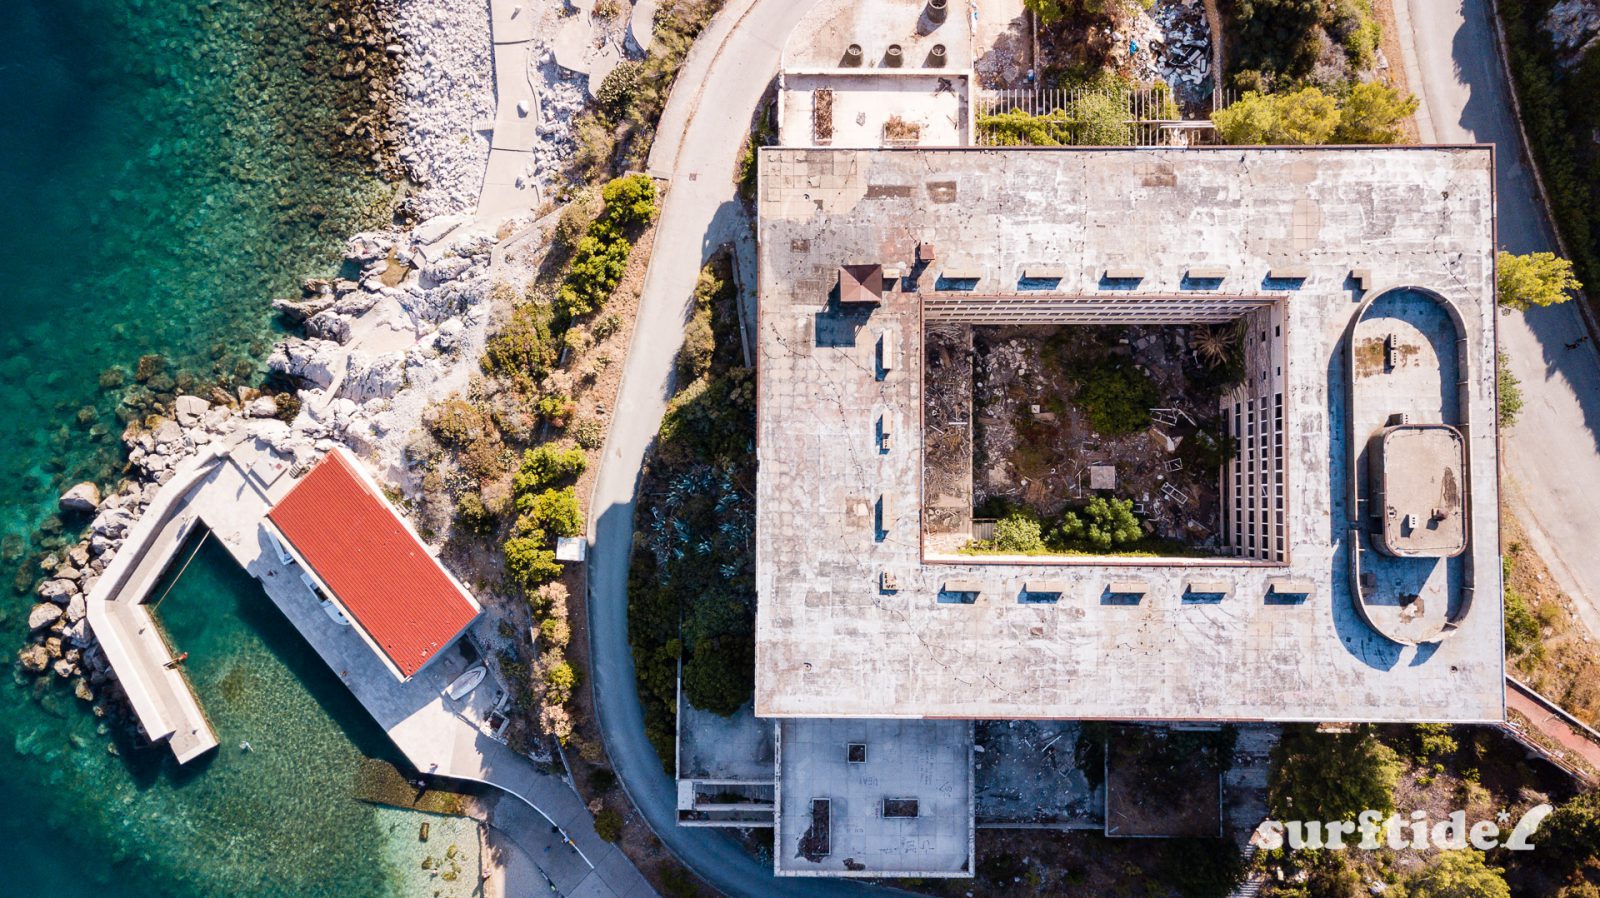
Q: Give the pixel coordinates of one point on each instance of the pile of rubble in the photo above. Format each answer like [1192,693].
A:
[1169,42]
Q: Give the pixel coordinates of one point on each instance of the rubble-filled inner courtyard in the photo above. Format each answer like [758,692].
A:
[1063,414]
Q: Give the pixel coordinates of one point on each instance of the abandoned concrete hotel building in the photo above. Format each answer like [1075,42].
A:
[1356,574]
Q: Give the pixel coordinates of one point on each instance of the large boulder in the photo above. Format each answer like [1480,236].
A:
[329,326]
[83,498]
[376,378]
[296,312]
[189,409]
[57,591]
[43,615]
[77,609]
[262,407]
[310,362]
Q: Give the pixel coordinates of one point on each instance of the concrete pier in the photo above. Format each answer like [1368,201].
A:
[229,491]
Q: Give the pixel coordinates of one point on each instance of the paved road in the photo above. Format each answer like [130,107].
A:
[1552,458]
[698,143]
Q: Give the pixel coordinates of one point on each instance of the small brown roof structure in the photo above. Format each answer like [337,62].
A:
[861,283]
[376,569]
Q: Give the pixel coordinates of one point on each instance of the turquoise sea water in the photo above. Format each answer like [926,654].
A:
[166,168]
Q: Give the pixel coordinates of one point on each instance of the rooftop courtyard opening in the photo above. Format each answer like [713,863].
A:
[1120,425]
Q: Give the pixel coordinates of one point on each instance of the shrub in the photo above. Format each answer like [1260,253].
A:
[1510,391]
[547,465]
[608,825]
[557,410]
[529,563]
[579,213]
[1018,532]
[555,632]
[630,201]
[1457,874]
[1116,397]
[1373,113]
[555,512]
[588,433]
[618,89]
[554,720]
[719,675]
[1103,121]
[694,359]
[457,422]
[473,515]
[522,350]
[1331,776]
[559,679]
[1522,628]
[1307,116]
[1533,279]
[1102,525]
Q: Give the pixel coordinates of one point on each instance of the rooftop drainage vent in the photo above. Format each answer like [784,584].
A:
[895,57]
[853,56]
[936,57]
[938,10]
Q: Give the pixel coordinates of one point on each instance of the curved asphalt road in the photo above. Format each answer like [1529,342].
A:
[1552,457]
[697,145]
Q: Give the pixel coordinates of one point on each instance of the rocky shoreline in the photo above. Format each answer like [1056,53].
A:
[403,326]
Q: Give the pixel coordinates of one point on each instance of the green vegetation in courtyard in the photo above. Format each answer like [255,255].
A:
[1331,776]
[1533,279]
[1050,12]
[1100,526]
[1115,396]
[691,588]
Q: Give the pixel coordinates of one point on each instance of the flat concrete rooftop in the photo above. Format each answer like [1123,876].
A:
[832,642]
[1422,472]
[928,762]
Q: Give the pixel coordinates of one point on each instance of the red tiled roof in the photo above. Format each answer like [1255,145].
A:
[376,567]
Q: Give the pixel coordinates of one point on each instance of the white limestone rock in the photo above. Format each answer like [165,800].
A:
[190,410]
[307,361]
[43,615]
[83,498]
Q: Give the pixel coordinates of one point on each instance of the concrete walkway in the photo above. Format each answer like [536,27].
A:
[1557,725]
[505,190]
[1552,456]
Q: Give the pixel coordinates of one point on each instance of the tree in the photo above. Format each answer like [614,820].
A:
[528,562]
[1018,532]
[1103,120]
[1051,11]
[1372,113]
[548,465]
[1533,279]
[1457,874]
[1331,776]
[630,201]
[1570,836]
[554,512]
[608,825]
[719,676]
[1103,525]
[1307,116]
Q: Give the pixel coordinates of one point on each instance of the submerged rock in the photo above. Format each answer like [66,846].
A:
[33,658]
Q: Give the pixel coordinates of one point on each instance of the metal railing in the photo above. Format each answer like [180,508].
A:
[1060,117]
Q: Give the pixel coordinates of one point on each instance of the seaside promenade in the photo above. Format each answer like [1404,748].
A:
[228,490]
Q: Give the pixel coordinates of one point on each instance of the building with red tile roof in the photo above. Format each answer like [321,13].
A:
[371,565]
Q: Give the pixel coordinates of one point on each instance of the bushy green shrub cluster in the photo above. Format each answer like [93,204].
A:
[523,350]
[1115,396]
[601,255]
[545,511]
[1367,113]
[1100,526]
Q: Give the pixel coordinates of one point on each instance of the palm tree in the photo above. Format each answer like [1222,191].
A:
[1215,344]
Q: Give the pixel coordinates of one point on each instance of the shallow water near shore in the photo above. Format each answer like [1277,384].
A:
[166,168]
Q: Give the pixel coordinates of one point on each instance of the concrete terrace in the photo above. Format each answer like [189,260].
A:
[837,511]
[229,491]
